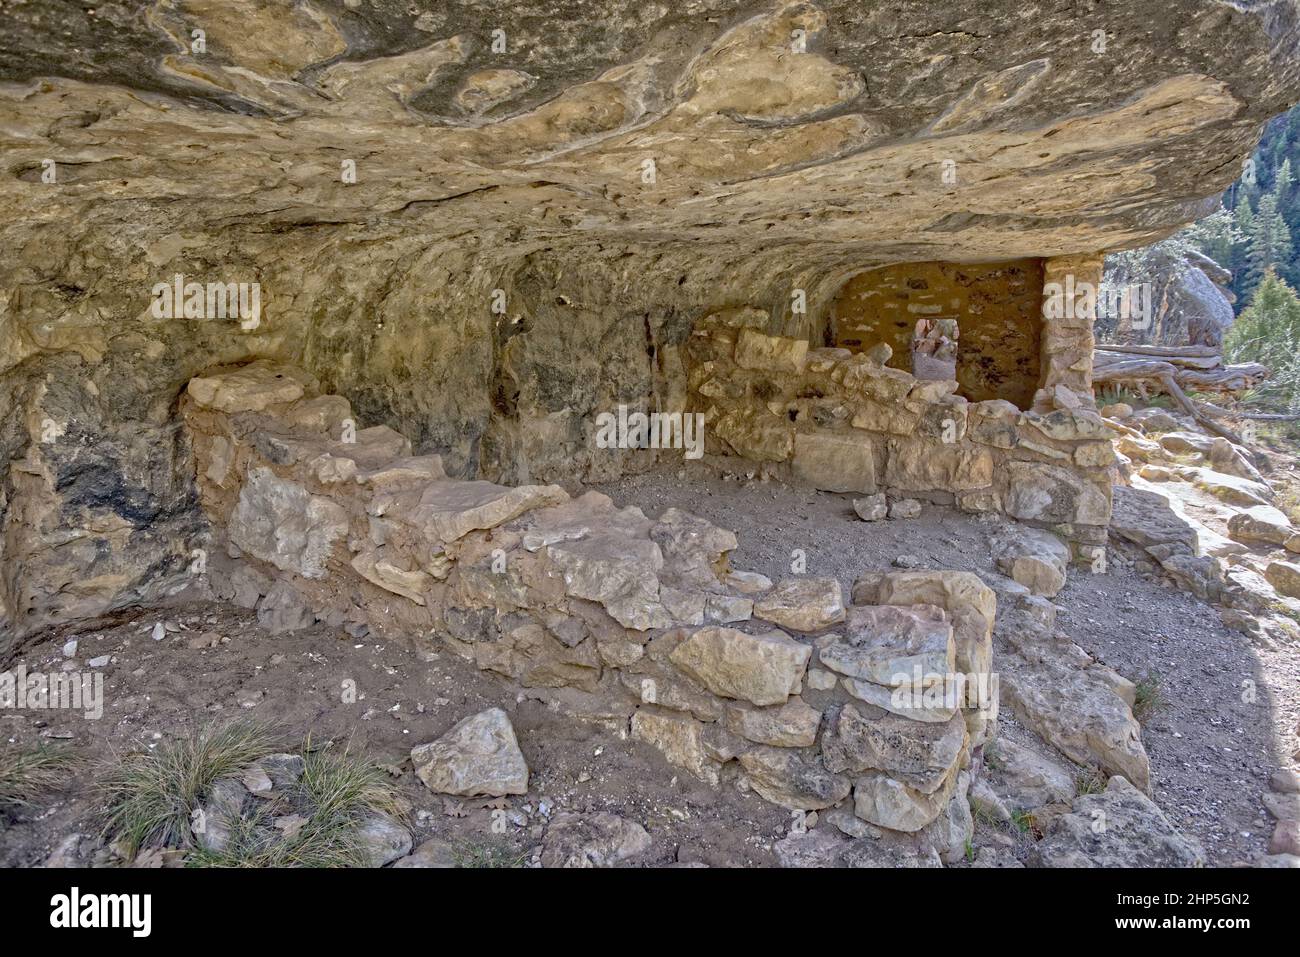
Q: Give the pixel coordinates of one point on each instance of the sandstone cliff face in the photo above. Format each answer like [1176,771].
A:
[485,224]
[1192,305]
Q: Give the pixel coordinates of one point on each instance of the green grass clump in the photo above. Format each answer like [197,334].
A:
[151,795]
[1148,698]
[336,792]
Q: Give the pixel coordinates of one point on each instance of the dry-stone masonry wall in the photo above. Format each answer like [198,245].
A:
[876,708]
[483,248]
[847,422]
[998,308]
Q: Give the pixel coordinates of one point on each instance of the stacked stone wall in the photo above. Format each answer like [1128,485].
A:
[872,710]
[848,422]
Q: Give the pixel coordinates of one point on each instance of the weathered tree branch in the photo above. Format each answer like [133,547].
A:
[1173,368]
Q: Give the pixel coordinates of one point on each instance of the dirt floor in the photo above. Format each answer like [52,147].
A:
[155,690]
[1229,710]
[1211,750]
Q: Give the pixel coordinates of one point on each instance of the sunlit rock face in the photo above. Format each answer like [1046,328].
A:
[486,223]
[998,308]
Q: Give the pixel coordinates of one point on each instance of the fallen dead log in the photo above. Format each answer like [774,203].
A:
[1228,379]
[1254,416]
[1106,356]
[1131,369]
[1167,377]
[1187,405]
[1174,369]
[1190,366]
[1174,351]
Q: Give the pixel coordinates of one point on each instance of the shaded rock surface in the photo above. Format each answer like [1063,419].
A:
[1077,711]
[382,840]
[515,240]
[827,847]
[592,840]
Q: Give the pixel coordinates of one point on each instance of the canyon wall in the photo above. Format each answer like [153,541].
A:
[486,226]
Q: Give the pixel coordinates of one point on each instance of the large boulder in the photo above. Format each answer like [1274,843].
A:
[1146,518]
[1195,304]
[1025,778]
[1229,489]
[1284,577]
[1078,711]
[1260,525]
[1199,309]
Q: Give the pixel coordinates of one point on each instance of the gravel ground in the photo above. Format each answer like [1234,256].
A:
[1228,710]
[1211,745]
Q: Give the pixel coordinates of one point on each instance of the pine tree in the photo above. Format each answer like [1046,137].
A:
[1288,197]
[1276,161]
[1245,216]
[1269,242]
[1268,332]
[1244,220]
[1217,236]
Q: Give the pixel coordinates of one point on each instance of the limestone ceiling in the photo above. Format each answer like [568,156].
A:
[851,131]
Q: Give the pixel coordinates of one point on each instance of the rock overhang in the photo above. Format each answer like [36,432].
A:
[736,127]
[791,146]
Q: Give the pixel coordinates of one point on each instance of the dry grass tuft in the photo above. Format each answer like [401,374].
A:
[152,797]
[27,775]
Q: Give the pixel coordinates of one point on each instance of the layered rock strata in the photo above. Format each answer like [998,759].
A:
[484,224]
